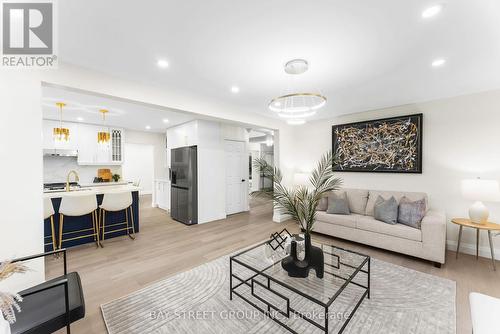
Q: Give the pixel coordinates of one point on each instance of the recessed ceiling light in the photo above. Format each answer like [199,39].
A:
[79,119]
[277,104]
[165,120]
[162,63]
[296,121]
[438,62]
[235,89]
[432,11]
[148,127]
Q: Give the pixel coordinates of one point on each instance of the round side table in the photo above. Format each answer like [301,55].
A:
[486,226]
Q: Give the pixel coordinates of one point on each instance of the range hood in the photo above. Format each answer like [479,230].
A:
[59,153]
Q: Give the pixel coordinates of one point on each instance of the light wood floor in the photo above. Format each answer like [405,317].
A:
[164,247]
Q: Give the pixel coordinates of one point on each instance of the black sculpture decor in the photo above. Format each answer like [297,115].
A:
[313,260]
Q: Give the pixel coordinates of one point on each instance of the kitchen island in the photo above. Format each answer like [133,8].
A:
[84,222]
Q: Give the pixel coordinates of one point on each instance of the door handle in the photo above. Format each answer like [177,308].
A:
[243,180]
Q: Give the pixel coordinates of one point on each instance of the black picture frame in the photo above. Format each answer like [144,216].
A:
[342,164]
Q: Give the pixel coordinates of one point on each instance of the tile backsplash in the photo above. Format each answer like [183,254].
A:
[55,169]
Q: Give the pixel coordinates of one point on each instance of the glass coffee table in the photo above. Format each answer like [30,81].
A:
[302,305]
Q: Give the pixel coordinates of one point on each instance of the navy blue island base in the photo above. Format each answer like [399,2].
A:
[85,222]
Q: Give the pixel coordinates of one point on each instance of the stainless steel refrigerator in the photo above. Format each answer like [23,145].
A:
[184,185]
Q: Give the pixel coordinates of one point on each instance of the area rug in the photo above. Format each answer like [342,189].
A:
[197,302]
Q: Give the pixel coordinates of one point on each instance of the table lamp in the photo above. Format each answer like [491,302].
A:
[480,190]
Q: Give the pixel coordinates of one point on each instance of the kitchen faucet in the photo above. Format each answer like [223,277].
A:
[77,178]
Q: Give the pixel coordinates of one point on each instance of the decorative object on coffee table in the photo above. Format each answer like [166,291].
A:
[300,204]
[484,226]
[384,145]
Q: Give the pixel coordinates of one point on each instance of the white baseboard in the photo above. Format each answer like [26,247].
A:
[467,248]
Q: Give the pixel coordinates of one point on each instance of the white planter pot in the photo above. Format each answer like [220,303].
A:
[4,325]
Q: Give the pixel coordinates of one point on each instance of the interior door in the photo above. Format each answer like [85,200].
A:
[236,176]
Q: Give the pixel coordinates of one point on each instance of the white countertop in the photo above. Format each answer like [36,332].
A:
[104,184]
[84,191]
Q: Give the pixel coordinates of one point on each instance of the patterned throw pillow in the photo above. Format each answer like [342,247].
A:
[411,213]
[386,210]
[338,204]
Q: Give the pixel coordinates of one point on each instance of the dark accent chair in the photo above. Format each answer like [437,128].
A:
[52,305]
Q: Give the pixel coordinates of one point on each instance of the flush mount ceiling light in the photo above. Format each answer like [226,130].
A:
[438,62]
[297,106]
[162,63]
[235,89]
[60,133]
[432,11]
[148,127]
[165,120]
[104,136]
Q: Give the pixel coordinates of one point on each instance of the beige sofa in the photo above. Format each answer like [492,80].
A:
[428,243]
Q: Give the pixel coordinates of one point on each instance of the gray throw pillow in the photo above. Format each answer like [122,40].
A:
[323,204]
[386,210]
[338,204]
[411,213]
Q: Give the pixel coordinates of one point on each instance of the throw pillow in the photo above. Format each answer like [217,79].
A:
[411,213]
[386,210]
[338,204]
[323,204]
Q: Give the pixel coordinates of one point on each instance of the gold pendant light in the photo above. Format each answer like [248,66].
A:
[103,137]
[60,134]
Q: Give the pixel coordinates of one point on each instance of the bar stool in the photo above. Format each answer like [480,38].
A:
[114,202]
[77,205]
[48,212]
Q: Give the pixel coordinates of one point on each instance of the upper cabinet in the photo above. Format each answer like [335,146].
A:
[92,153]
[83,138]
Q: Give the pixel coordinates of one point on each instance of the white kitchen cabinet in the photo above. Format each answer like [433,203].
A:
[92,153]
[48,136]
[161,194]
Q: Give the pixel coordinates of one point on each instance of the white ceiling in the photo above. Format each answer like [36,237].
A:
[122,114]
[363,54]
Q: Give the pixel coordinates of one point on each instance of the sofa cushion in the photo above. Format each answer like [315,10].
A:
[411,213]
[338,204]
[386,210]
[323,204]
[373,195]
[344,220]
[357,200]
[368,223]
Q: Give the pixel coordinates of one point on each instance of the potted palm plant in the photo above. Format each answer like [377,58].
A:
[300,204]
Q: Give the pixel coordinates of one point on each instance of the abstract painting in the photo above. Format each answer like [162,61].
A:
[392,145]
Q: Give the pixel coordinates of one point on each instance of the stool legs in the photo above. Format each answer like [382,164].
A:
[102,224]
[53,231]
[95,230]
[131,236]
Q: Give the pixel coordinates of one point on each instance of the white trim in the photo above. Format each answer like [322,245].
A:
[467,248]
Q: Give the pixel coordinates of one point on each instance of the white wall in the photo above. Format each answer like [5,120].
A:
[138,166]
[21,170]
[157,140]
[461,139]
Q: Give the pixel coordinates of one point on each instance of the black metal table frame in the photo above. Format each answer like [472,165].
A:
[253,281]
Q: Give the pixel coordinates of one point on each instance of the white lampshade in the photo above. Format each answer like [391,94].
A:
[301,179]
[481,190]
